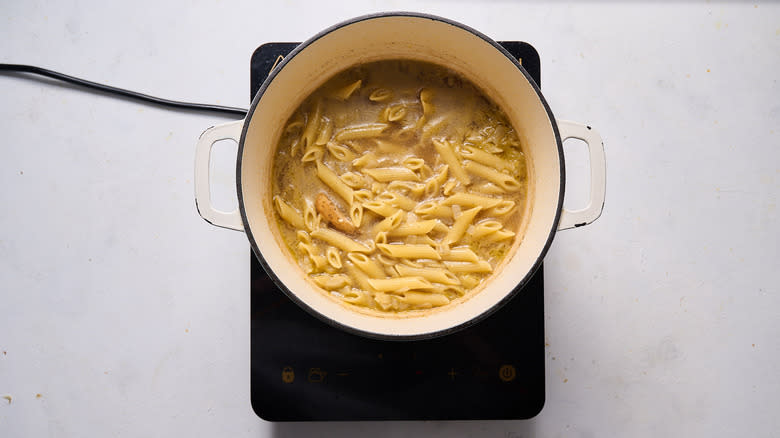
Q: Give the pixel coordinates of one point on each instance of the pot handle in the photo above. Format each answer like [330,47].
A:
[225,219]
[598,175]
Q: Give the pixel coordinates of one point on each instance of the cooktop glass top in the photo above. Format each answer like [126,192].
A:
[305,370]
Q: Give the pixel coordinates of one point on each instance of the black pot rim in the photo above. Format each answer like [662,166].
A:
[337,324]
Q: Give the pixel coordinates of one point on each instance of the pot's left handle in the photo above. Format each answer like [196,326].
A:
[598,175]
[225,219]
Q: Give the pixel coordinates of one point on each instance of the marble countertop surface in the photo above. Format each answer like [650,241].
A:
[122,313]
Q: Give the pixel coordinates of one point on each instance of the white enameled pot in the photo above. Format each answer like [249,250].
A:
[419,37]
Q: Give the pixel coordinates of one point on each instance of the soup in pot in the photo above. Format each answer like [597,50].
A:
[398,185]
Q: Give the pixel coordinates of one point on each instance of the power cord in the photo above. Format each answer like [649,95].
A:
[120,91]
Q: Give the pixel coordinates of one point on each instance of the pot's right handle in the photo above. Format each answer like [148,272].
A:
[225,219]
[598,175]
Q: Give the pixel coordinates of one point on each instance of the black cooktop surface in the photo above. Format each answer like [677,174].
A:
[304,369]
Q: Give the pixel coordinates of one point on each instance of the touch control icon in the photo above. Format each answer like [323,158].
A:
[507,373]
[288,375]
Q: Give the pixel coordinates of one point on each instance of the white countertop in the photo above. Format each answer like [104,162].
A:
[123,313]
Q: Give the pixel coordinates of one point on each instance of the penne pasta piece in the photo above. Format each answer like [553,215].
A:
[334,182]
[309,250]
[325,132]
[380,95]
[434,275]
[313,154]
[488,188]
[330,281]
[366,160]
[502,180]
[449,290]
[385,174]
[357,297]
[413,188]
[294,146]
[339,240]
[460,225]
[368,130]
[390,223]
[484,228]
[380,208]
[353,180]
[503,207]
[469,281]
[356,214]
[469,268]
[432,128]
[449,187]
[482,157]
[340,152]
[399,284]
[363,195]
[422,300]
[360,278]
[414,163]
[303,236]
[381,237]
[426,99]
[416,228]
[345,92]
[396,113]
[447,155]
[397,200]
[310,219]
[409,251]
[310,131]
[469,200]
[288,213]
[433,209]
[333,257]
[498,236]
[291,127]
[460,254]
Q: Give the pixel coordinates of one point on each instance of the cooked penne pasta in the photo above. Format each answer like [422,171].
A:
[390,223]
[367,265]
[416,228]
[380,95]
[339,240]
[340,152]
[463,254]
[369,130]
[325,132]
[433,209]
[448,157]
[335,183]
[385,174]
[397,200]
[288,213]
[331,282]
[409,251]
[310,131]
[423,300]
[399,284]
[366,160]
[469,268]
[484,228]
[502,180]
[460,225]
[482,157]
[399,186]
[380,208]
[434,275]
[468,200]
[345,92]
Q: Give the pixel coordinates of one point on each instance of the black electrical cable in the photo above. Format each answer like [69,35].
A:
[127,93]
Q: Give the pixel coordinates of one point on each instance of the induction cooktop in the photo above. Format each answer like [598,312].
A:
[306,370]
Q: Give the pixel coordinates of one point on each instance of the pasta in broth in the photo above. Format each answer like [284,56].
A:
[398,185]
